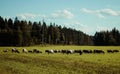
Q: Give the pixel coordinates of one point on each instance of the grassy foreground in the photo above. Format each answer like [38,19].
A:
[31,63]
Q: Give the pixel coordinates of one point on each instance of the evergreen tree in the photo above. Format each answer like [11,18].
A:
[44,33]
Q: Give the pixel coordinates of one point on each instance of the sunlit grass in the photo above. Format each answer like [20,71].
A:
[31,63]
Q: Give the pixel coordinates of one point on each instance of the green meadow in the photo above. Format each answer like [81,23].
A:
[57,63]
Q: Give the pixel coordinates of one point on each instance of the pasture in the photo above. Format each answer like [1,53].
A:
[58,63]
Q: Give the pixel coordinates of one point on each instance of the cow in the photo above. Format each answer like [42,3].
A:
[36,51]
[67,51]
[115,50]
[15,50]
[49,51]
[5,50]
[109,51]
[99,51]
[56,51]
[87,51]
[70,52]
[112,51]
[78,51]
[24,50]
[63,51]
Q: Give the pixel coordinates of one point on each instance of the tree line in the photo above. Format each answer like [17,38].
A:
[25,33]
[105,38]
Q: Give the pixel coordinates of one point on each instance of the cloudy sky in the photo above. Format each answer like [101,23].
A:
[88,16]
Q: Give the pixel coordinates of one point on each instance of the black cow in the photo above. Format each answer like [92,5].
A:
[109,51]
[63,51]
[56,51]
[87,51]
[115,50]
[112,51]
[78,51]
[99,51]
[36,51]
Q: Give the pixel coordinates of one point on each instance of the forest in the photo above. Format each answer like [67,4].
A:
[25,33]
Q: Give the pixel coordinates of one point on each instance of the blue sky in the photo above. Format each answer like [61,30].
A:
[88,16]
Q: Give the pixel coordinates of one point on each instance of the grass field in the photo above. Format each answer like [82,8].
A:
[31,63]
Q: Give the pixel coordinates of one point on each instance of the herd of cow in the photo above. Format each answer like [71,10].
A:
[97,51]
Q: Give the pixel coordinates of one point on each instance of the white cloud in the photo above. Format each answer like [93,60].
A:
[27,15]
[63,14]
[68,14]
[79,24]
[87,11]
[31,16]
[102,13]
[58,14]
[110,12]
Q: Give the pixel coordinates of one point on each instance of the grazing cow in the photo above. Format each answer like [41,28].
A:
[78,51]
[99,51]
[67,51]
[109,51]
[49,51]
[36,51]
[90,51]
[15,50]
[56,51]
[112,51]
[24,50]
[70,52]
[63,51]
[87,51]
[115,50]
[5,50]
